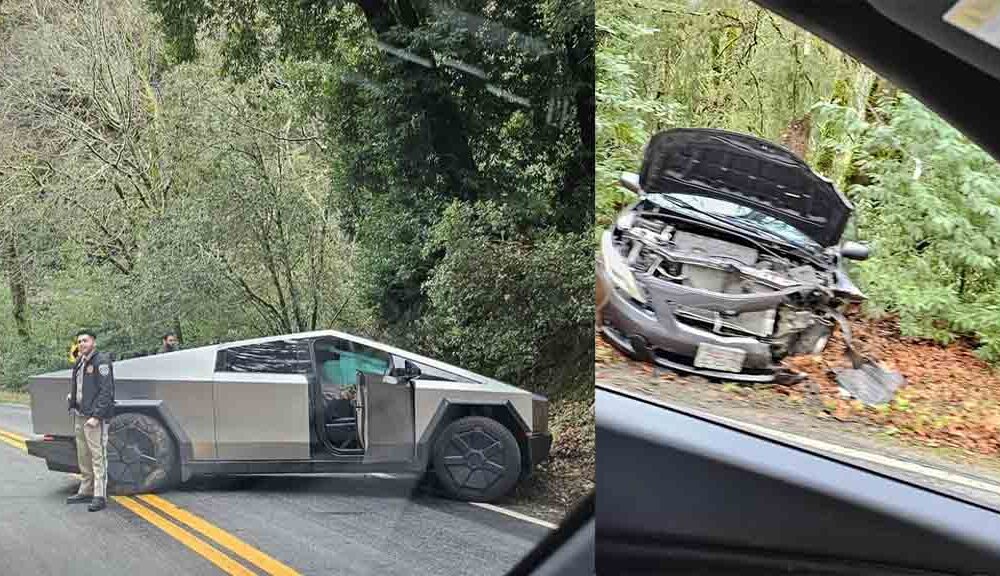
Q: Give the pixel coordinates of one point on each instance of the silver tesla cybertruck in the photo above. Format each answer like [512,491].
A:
[302,403]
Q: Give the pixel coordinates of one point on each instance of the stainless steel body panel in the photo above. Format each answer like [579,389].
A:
[49,408]
[388,412]
[430,394]
[189,401]
[183,380]
[261,416]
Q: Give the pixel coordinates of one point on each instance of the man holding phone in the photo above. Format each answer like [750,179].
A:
[91,401]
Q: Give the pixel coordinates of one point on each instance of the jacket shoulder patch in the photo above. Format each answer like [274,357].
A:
[104,369]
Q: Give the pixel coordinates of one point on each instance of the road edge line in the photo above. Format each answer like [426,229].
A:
[834,449]
[513,514]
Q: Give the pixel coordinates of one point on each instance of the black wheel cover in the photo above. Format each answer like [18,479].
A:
[140,455]
[477,458]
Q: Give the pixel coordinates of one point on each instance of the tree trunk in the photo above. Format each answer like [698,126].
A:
[177,329]
[15,282]
[796,136]
[843,166]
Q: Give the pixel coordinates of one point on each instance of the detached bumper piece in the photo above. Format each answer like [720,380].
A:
[59,452]
[866,380]
[539,446]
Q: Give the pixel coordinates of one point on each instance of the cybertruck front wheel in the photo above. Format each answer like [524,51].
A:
[141,455]
[477,459]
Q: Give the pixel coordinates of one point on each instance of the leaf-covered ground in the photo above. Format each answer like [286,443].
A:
[947,416]
[557,485]
[952,398]
[813,409]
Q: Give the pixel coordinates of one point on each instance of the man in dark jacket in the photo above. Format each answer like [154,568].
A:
[91,401]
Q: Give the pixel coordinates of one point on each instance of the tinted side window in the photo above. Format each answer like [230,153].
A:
[278,357]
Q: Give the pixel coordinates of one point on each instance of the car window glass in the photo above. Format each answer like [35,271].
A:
[428,372]
[745,213]
[277,357]
[888,361]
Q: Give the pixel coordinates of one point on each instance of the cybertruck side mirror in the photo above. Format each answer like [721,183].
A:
[409,371]
[854,250]
[630,181]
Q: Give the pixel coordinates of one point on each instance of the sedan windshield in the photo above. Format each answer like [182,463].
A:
[746,216]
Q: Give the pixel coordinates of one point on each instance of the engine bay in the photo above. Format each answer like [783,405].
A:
[727,284]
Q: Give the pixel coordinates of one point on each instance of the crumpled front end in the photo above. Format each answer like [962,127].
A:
[692,298]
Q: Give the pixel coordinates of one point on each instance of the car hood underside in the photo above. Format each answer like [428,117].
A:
[748,171]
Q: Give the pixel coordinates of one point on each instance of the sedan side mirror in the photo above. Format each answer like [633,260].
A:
[630,181]
[854,250]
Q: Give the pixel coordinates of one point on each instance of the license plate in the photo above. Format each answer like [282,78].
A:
[714,357]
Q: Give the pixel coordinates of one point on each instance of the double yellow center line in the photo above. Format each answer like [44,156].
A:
[179,524]
[13,439]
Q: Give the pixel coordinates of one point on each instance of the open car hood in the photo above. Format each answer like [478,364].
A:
[749,171]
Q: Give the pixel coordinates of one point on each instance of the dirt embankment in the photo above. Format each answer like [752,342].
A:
[557,485]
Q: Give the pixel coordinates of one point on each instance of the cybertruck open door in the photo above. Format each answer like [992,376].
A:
[387,415]
[363,402]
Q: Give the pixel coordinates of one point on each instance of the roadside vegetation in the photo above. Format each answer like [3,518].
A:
[231,171]
[926,199]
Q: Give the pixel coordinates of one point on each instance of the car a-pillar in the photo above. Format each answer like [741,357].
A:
[475,452]
[145,448]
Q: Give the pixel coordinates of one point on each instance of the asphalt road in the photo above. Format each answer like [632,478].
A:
[351,525]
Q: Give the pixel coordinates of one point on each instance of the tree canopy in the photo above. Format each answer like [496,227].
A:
[417,173]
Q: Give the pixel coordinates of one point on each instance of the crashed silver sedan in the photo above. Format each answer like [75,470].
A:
[730,260]
[302,403]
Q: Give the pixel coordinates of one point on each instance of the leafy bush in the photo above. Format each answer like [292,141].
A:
[517,307]
[721,64]
[928,200]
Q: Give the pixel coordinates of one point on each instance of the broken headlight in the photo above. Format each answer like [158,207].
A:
[618,270]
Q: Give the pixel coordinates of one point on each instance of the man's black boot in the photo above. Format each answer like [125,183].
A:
[97,504]
[79,499]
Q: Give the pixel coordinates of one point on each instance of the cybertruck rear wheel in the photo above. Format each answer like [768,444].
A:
[141,455]
[477,459]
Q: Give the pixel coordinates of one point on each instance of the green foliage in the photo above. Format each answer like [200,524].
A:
[410,144]
[283,170]
[929,203]
[518,306]
[720,64]
[627,116]
[926,198]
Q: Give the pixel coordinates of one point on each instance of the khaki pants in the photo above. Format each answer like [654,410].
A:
[92,456]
